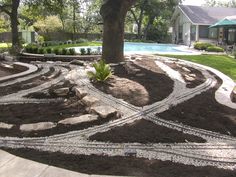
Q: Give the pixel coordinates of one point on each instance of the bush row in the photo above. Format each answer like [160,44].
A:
[208,47]
[53,43]
[58,51]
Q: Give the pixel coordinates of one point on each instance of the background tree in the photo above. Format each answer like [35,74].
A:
[10,7]
[113,13]
[218,3]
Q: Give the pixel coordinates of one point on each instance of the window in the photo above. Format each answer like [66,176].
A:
[203,31]
[231,36]
[193,32]
[213,33]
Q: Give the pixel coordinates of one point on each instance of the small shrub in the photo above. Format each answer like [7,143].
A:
[102,71]
[89,51]
[82,51]
[202,45]
[34,49]
[40,39]
[214,49]
[72,51]
[57,51]
[49,50]
[64,51]
[41,50]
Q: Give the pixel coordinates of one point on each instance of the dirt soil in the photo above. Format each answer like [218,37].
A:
[204,112]
[26,84]
[122,166]
[141,83]
[143,131]
[6,72]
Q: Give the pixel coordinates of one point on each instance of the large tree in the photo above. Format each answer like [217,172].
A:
[10,7]
[113,13]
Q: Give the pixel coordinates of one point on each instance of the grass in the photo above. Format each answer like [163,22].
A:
[75,45]
[223,63]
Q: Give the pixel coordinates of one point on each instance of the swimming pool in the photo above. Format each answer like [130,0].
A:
[140,48]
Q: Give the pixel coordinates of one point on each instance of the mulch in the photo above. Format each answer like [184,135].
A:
[143,131]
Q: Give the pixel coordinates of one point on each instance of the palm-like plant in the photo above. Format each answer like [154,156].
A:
[102,71]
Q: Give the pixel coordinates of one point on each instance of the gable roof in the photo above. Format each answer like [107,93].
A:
[206,15]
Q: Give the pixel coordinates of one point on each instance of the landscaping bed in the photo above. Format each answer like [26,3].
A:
[143,131]
[121,166]
[204,112]
[142,83]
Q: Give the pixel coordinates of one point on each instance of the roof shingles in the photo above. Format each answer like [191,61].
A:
[207,15]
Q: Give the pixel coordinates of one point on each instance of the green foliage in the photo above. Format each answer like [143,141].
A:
[40,39]
[89,51]
[214,49]
[82,51]
[31,48]
[57,51]
[72,51]
[49,50]
[64,51]
[202,45]
[41,50]
[102,71]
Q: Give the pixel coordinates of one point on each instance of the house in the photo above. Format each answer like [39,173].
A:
[191,23]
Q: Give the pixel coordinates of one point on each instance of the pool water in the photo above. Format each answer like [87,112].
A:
[137,47]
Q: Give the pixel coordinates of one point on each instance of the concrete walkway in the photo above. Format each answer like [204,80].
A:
[13,166]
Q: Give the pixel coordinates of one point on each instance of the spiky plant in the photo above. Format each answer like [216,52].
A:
[102,71]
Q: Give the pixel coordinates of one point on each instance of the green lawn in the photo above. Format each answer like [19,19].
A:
[75,45]
[223,63]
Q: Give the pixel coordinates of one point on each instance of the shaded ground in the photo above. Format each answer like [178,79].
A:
[203,111]
[140,84]
[143,131]
[26,84]
[125,166]
[6,72]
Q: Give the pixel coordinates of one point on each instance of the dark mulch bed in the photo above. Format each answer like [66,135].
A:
[31,113]
[143,131]
[199,76]
[203,111]
[26,84]
[125,166]
[140,84]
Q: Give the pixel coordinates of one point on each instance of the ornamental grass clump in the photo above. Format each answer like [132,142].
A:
[102,71]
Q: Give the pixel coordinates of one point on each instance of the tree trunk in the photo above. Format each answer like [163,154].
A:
[14,27]
[113,13]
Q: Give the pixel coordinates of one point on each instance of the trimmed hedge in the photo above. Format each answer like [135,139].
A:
[214,49]
[202,45]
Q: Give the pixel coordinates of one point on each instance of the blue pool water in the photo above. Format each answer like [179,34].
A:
[135,47]
[150,47]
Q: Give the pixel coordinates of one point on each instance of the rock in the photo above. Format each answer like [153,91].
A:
[62,91]
[233,95]
[37,126]
[5,125]
[193,75]
[189,78]
[80,92]
[103,111]
[89,100]
[186,69]
[80,119]
[77,62]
